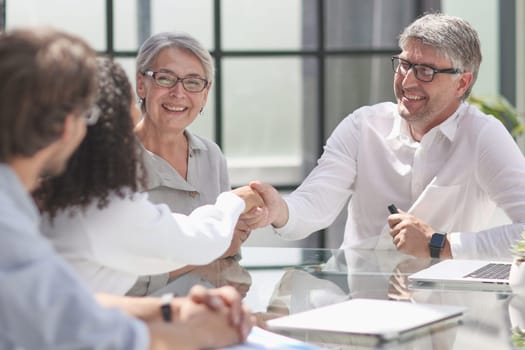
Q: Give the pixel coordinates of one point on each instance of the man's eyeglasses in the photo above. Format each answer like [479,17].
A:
[92,115]
[422,72]
[166,80]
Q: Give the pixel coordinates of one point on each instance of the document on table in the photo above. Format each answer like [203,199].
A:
[260,339]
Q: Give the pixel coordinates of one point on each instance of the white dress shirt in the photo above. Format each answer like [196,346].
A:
[452,179]
[43,303]
[111,247]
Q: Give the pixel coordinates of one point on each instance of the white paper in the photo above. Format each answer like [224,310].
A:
[260,339]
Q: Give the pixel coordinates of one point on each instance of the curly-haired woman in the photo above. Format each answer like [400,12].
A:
[99,222]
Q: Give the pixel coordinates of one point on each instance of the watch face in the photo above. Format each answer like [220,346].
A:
[437,240]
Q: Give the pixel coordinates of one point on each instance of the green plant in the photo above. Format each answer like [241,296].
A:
[518,338]
[518,249]
[501,108]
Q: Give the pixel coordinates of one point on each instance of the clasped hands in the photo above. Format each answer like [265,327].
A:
[215,317]
[215,306]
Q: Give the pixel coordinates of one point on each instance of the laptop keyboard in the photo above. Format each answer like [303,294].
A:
[492,271]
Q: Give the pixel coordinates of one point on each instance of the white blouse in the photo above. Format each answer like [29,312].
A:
[111,247]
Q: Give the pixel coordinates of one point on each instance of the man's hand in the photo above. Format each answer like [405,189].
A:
[202,321]
[409,234]
[225,300]
[277,210]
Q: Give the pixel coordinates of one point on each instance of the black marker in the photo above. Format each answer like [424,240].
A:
[392,209]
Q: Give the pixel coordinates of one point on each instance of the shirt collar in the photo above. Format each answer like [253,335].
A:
[448,128]
[194,143]
[161,173]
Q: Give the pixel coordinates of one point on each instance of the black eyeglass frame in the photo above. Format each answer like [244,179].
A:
[414,67]
[176,79]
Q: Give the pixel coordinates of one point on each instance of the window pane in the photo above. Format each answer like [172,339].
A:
[129,66]
[192,16]
[264,117]
[126,26]
[134,24]
[53,13]
[268,25]
[353,82]
[366,24]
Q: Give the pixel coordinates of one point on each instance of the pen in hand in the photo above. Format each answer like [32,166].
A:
[392,209]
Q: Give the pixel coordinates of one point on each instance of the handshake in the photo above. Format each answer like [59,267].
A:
[264,206]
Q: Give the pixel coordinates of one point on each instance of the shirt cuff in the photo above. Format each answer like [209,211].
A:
[288,229]
[231,201]
[454,239]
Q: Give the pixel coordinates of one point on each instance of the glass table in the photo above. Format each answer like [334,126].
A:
[282,281]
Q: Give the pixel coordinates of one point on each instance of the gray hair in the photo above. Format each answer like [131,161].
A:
[452,37]
[151,48]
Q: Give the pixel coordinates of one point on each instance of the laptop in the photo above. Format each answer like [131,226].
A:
[367,321]
[464,274]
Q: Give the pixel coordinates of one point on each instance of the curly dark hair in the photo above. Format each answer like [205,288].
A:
[108,160]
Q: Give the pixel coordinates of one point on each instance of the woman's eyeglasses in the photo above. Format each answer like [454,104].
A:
[166,80]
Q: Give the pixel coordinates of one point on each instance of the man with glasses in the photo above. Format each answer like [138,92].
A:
[440,160]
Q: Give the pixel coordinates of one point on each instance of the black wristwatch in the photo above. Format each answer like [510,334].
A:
[437,242]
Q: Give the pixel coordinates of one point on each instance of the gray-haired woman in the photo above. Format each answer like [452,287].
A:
[174,75]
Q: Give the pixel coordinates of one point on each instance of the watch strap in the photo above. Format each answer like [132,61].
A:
[436,244]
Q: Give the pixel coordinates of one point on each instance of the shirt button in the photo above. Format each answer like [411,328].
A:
[193,194]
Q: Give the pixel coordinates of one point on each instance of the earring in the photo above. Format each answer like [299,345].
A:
[202,108]
[140,101]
